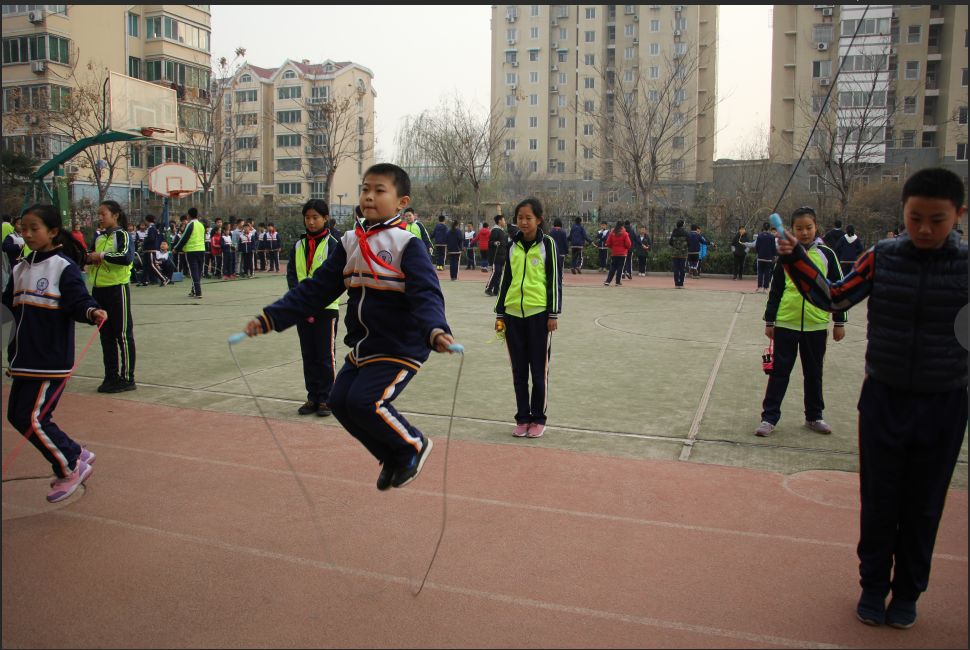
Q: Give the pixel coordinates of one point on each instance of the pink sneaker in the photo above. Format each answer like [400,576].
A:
[521,430]
[536,430]
[87,456]
[65,487]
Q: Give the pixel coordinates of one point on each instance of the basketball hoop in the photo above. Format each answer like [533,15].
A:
[173,180]
[150,131]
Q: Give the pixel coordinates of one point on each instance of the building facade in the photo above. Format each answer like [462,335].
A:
[898,104]
[51,50]
[564,77]
[285,129]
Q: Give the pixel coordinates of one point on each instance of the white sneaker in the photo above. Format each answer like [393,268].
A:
[764,429]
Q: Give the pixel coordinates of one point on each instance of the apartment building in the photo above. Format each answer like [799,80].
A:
[42,44]
[564,77]
[898,104]
[287,128]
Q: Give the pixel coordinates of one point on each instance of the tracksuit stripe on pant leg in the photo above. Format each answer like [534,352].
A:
[39,431]
[389,418]
[545,374]
[126,369]
[333,348]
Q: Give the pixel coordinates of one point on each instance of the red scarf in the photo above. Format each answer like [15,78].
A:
[365,250]
[311,246]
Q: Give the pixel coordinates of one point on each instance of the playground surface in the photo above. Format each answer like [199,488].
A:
[649,515]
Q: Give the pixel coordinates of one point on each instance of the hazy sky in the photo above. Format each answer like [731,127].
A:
[422,54]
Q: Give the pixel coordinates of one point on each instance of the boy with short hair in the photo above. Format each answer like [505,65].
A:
[913,406]
[395,317]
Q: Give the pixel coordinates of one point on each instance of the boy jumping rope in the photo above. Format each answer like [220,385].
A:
[395,317]
[913,406]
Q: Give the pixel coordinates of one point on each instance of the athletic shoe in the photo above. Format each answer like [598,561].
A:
[197,297]
[121,386]
[521,430]
[579,271]
[818,426]
[871,609]
[65,487]
[606,284]
[307,408]
[86,456]
[764,429]
[385,477]
[323,410]
[107,384]
[901,613]
[536,430]
[165,282]
[409,472]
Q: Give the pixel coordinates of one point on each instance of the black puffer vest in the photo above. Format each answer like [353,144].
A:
[913,308]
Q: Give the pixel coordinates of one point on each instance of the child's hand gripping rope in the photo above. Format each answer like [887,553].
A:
[786,242]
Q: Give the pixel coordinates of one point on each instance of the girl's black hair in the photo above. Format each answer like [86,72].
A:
[51,218]
[803,211]
[115,208]
[533,203]
[317,204]
[454,224]
[618,228]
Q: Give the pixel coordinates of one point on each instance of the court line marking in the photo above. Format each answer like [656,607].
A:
[514,506]
[695,425]
[705,630]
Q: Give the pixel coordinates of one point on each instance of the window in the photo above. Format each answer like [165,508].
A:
[153,27]
[929,140]
[533,77]
[868,27]
[534,10]
[629,53]
[246,143]
[318,190]
[533,100]
[510,122]
[563,34]
[681,24]
[589,105]
[587,175]
[41,47]
[680,96]
[590,13]
[246,119]
[246,189]
[821,69]
[560,145]
[289,92]
[533,55]
[511,56]
[914,33]
[290,140]
[511,78]
[654,72]
[289,117]
[510,100]
[133,25]
[677,142]
[245,79]
[562,78]
[612,196]
[909,140]
[134,67]
[533,166]
[533,144]
[289,74]
[511,33]
[588,82]
[909,105]
[962,115]
[680,49]
[562,122]
[289,165]
[533,33]
[245,96]
[653,96]
[961,151]
[654,49]
[533,122]
[628,75]
[587,196]
[587,153]
[589,59]
[562,56]
[510,145]
[289,189]
[963,78]
[587,129]
[654,25]
[629,30]
[912,70]
[589,36]
[134,156]
[863,99]
[243,166]
[563,100]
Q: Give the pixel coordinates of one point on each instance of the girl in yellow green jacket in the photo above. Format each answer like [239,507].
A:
[799,329]
[529,303]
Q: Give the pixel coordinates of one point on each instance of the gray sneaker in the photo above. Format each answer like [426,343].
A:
[764,429]
[818,426]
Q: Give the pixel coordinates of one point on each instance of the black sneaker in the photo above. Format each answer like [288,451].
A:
[871,609]
[901,614]
[120,386]
[108,384]
[308,408]
[409,472]
[385,477]
[323,410]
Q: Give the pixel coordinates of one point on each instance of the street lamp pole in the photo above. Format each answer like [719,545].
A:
[340,203]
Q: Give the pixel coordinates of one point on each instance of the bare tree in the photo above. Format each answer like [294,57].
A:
[337,132]
[455,141]
[205,140]
[644,121]
[849,142]
[754,184]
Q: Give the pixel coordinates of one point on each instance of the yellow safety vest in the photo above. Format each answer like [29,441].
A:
[319,257]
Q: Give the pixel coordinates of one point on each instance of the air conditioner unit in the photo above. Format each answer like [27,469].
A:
[554,67]
[822,46]
[827,11]
[507,153]
[555,46]
[553,111]
[512,87]
[676,33]
[72,169]
[678,8]
[308,149]
[554,89]
[636,18]
[38,66]
[511,41]
[824,81]
[36,16]
[636,41]
[515,64]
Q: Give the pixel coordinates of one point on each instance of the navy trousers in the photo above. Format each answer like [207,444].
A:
[577,252]
[680,270]
[28,399]
[909,444]
[604,254]
[361,400]
[530,348]
[118,332]
[810,346]
[317,342]
[764,273]
[196,261]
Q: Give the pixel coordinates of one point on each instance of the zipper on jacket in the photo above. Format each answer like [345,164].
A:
[525,268]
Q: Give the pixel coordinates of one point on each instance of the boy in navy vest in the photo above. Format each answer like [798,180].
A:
[395,317]
[913,406]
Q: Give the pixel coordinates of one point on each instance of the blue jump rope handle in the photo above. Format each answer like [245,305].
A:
[775,220]
[236,338]
[457,347]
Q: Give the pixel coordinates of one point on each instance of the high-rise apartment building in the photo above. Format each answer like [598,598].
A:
[588,93]
[42,44]
[287,130]
[898,104]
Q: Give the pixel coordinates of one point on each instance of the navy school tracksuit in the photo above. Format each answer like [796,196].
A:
[454,241]
[113,293]
[395,309]
[530,294]
[46,294]
[318,333]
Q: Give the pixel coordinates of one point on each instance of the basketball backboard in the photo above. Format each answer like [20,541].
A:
[136,106]
[173,180]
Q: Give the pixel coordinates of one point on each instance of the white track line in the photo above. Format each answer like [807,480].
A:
[515,506]
[769,640]
[702,407]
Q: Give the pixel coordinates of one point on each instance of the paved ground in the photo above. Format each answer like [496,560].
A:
[648,516]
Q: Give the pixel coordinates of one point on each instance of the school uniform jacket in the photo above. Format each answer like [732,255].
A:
[787,308]
[47,292]
[395,307]
[525,289]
